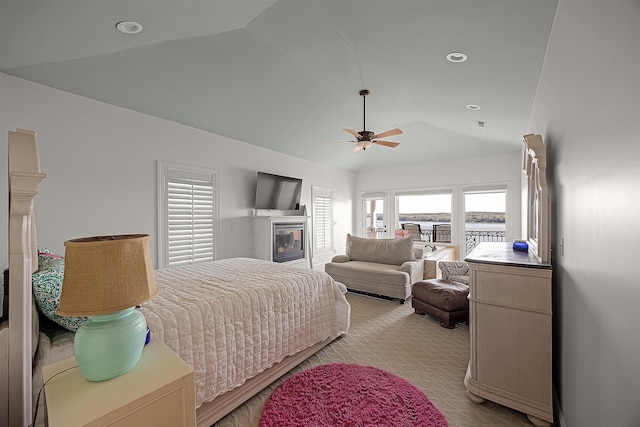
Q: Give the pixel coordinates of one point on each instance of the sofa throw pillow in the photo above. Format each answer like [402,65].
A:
[47,287]
[383,251]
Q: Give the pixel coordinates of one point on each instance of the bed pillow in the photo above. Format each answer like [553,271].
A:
[42,251]
[47,286]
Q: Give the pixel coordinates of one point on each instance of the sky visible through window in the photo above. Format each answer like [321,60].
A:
[434,203]
[485,202]
[424,203]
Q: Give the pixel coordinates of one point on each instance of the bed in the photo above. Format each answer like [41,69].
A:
[240,323]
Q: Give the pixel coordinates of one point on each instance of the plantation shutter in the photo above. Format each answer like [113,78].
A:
[322,220]
[189,225]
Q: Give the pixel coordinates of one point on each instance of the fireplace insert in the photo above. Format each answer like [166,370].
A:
[288,241]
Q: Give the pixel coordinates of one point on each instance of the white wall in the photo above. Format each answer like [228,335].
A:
[101,166]
[459,176]
[587,108]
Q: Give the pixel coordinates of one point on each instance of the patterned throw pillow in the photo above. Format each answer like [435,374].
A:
[458,271]
[47,286]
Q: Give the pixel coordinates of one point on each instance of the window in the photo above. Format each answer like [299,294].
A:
[484,217]
[322,220]
[430,211]
[187,214]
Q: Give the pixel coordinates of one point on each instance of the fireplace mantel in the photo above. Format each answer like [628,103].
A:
[277,213]
[284,218]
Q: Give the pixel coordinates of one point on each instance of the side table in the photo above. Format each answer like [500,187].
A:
[431,260]
[159,390]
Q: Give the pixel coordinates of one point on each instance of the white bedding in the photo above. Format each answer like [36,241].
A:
[232,319]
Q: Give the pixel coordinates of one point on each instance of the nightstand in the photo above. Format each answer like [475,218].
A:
[159,390]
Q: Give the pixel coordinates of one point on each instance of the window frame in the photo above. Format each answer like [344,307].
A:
[368,196]
[479,189]
[427,192]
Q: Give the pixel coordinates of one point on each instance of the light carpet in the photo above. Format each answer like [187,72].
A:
[392,337]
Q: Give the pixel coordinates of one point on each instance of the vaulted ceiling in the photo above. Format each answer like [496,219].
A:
[285,74]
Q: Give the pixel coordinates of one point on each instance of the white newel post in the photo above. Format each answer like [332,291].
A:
[24,179]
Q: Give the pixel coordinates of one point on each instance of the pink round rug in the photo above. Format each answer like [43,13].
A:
[342,394]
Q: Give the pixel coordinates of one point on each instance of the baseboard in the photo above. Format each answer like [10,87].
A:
[557,410]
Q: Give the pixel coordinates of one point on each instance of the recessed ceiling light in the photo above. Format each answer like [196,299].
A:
[129,27]
[456,57]
[473,107]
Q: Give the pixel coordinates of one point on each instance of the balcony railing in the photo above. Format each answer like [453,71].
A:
[472,238]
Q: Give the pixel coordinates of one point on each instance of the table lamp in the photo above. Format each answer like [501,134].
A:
[105,278]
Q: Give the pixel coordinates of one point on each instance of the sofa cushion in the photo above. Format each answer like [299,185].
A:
[383,251]
[368,272]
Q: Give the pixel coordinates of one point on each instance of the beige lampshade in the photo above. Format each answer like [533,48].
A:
[105,274]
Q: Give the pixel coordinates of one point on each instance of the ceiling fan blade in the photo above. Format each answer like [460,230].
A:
[353,132]
[390,132]
[387,143]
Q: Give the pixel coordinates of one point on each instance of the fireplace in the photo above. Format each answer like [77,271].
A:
[282,239]
[288,241]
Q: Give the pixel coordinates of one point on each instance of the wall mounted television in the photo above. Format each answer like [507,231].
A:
[277,192]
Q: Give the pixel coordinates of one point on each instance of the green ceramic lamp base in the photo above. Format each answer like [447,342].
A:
[109,345]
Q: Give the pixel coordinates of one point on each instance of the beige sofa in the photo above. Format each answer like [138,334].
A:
[383,267]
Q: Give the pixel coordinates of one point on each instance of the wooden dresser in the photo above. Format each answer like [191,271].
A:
[511,330]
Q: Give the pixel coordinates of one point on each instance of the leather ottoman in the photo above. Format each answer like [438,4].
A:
[443,299]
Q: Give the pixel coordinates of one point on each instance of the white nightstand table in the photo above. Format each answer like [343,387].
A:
[158,391]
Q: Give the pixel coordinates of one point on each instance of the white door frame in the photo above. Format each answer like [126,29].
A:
[383,230]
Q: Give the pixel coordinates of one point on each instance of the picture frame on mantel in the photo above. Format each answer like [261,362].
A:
[534,166]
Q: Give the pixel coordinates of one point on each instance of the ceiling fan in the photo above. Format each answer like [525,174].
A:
[366,138]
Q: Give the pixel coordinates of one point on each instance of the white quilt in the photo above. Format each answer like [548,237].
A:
[232,319]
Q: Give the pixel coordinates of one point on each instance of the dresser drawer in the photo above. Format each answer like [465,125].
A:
[516,287]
